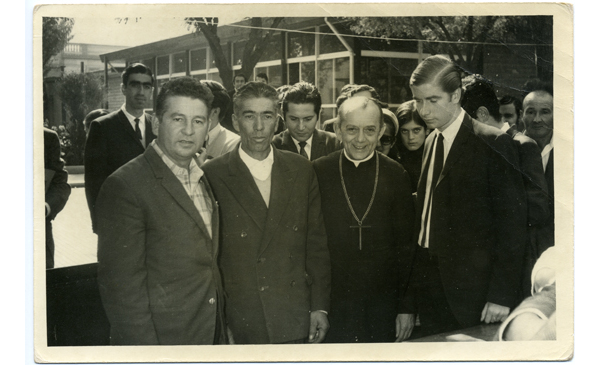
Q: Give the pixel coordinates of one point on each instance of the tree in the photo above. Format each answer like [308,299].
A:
[460,37]
[80,94]
[56,33]
[258,40]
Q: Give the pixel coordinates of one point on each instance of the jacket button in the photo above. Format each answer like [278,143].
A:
[295,228]
[244,234]
[211,301]
[293,283]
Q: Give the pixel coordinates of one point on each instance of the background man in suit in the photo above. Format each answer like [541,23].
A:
[220,140]
[274,257]
[158,233]
[471,217]
[538,116]
[369,213]
[120,136]
[480,102]
[57,188]
[238,81]
[301,108]
[511,112]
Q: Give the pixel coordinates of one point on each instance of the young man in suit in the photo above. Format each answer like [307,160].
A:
[274,257]
[57,188]
[480,102]
[471,210]
[238,81]
[120,136]
[301,108]
[220,140]
[158,233]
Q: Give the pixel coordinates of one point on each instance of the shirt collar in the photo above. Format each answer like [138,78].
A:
[260,170]
[308,141]
[452,130]
[548,147]
[193,169]
[505,127]
[357,162]
[213,133]
[131,118]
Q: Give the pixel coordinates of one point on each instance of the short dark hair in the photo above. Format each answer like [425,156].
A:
[221,97]
[253,89]
[537,85]
[263,75]
[302,93]
[439,70]
[242,75]
[93,115]
[184,86]
[508,99]
[136,68]
[479,92]
[407,112]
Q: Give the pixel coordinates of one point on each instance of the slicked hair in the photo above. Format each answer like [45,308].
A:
[221,98]
[251,90]
[136,68]
[184,86]
[479,92]
[437,70]
[303,93]
[508,99]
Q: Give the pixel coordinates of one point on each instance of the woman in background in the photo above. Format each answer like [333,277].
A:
[413,132]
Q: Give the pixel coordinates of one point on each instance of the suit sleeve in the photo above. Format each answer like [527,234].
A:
[318,264]
[122,271]
[538,200]
[404,209]
[59,189]
[510,211]
[95,166]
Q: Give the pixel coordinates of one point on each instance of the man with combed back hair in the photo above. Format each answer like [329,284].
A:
[471,210]
[274,255]
[369,214]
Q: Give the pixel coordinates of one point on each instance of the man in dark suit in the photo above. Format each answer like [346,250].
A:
[158,233]
[238,81]
[57,188]
[301,108]
[120,136]
[480,102]
[471,216]
[538,116]
[274,257]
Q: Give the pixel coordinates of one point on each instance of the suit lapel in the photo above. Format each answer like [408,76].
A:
[214,219]
[422,185]
[457,149]
[288,144]
[173,186]
[129,129]
[242,186]
[150,136]
[318,145]
[282,185]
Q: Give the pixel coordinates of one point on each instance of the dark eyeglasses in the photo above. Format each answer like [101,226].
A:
[387,140]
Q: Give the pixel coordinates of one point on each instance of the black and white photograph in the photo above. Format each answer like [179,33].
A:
[303,182]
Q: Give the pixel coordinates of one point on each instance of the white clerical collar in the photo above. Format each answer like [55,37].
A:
[213,133]
[357,162]
[260,170]
[452,130]
[505,127]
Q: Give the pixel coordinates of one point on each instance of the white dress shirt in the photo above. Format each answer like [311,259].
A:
[261,172]
[306,148]
[132,118]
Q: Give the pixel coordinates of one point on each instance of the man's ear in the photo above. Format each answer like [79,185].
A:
[482,114]
[155,123]
[214,116]
[235,123]
[455,96]
[123,88]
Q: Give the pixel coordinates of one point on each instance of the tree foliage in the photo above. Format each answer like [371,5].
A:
[56,33]
[80,94]
[460,37]
[258,41]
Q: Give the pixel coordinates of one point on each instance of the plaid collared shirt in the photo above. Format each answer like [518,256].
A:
[191,179]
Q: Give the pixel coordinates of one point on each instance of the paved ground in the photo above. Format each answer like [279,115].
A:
[75,242]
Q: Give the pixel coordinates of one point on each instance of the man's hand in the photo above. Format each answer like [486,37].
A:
[405,322]
[319,325]
[494,313]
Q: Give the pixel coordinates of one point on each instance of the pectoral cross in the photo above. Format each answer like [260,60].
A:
[360,228]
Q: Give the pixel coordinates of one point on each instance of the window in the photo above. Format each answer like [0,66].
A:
[325,83]
[273,50]
[180,62]
[308,72]
[301,44]
[329,43]
[150,63]
[238,52]
[198,59]
[162,65]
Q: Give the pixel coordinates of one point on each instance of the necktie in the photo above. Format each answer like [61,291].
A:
[302,150]
[138,131]
[438,164]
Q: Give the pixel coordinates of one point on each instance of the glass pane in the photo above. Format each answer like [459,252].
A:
[259,70]
[238,52]
[308,72]
[326,114]
[300,44]
[342,75]
[325,84]
[227,53]
[162,65]
[200,77]
[180,62]
[293,73]
[376,75]
[275,76]
[273,49]
[329,43]
[215,77]
[198,59]
[400,72]
[150,63]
